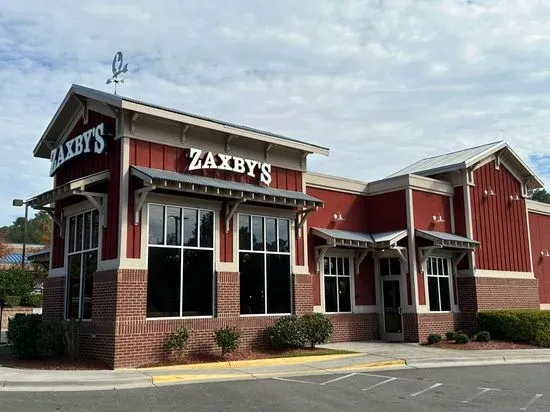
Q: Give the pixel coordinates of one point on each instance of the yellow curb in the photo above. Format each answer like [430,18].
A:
[183,378]
[256,362]
[371,365]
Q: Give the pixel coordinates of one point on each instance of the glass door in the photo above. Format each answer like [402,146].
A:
[393,324]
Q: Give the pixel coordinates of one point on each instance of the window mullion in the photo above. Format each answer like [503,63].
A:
[80,294]
[265,264]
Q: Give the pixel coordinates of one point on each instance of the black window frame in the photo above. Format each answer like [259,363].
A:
[182,248]
[438,277]
[77,247]
[281,250]
[337,275]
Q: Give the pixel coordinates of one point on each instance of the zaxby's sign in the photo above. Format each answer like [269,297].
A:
[235,164]
[91,141]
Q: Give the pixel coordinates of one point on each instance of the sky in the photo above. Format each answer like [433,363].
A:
[382,83]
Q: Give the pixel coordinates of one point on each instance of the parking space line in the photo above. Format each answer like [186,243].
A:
[294,380]
[380,383]
[531,402]
[483,390]
[435,385]
[337,379]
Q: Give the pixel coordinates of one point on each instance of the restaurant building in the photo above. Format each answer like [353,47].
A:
[166,219]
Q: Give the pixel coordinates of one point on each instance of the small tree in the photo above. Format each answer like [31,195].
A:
[317,328]
[177,341]
[227,338]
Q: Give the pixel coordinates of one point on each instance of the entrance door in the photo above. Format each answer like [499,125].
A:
[393,323]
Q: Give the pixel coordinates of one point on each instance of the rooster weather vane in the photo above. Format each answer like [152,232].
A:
[118,68]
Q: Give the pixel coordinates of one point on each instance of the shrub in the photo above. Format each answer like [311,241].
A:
[227,338]
[29,337]
[33,300]
[177,341]
[514,325]
[12,301]
[434,338]
[542,338]
[461,338]
[317,328]
[50,339]
[450,336]
[287,332]
[482,336]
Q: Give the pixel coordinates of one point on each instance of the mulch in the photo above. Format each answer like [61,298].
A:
[492,345]
[60,364]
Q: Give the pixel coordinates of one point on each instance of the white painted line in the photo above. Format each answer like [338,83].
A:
[295,380]
[532,401]
[337,379]
[483,390]
[380,383]
[435,385]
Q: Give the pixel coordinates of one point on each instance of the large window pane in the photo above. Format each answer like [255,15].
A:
[190,227]
[278,283]
[163,282]
[433,293]
[72,228]
[395,266]
[333,266]
[79,232]
[156,225]
[344,294]
[251,268]
[271,234]
[87,230]
[346,268]
[173,226]
[207,229]
[90,266]
[257,233]
[198,272]
[331,300]
[284,238]
[244,232]
[384,267]
[73,285]
[95,228]
[445,293]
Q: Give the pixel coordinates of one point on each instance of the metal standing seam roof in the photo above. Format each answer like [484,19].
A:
[151,175]
[446,238]
[13,259]
[371,238]
[448,161]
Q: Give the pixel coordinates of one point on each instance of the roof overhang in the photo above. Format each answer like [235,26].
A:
[344,238]
[447,240]
[71,188]
[207,186]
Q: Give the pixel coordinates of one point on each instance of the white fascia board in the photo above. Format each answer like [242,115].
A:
[538,207]
[487,152]
[415,182]
[178,117]
[335,183]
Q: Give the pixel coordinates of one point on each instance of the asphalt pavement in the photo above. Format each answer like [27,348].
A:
[487,388]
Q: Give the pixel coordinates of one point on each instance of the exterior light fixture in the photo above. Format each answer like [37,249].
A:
[438,219]
[544,253]
[513,198]
[488,192]
[337,217]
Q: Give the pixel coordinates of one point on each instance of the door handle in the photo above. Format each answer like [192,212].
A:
[399,310]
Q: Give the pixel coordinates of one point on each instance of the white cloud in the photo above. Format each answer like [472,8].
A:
[380,82]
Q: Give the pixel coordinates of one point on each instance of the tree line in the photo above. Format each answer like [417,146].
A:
[39,230]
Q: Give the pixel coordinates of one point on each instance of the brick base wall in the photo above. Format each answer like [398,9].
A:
[303,293]
[498,293]
[355,327]
[53,298]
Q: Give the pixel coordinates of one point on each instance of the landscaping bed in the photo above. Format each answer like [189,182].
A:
[492,345]
[61,363]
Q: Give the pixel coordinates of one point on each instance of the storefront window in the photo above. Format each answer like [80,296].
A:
[180,278]
[82,248]
[439,285]
[337,284]
[264,265]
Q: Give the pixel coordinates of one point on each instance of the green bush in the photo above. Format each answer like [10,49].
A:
[227,338]
[177,341]
[33,300]
[482,336]
[29,337]
[12,301]
[287,332]
[542,338]
[461,338]
[317,328]
[450,336]
[514,325]
[49,342]
[434,338]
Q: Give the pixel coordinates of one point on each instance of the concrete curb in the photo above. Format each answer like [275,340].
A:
[63,385]
[480,361]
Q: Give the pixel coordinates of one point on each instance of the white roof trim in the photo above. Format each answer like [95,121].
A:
[538,207]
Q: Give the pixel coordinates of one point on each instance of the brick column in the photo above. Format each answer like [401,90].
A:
[54,298]
[228,298]
[303,293]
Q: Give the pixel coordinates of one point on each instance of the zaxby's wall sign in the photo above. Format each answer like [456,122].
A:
[91,141]
[233,163]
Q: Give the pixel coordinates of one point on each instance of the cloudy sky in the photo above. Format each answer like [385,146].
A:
[381,82]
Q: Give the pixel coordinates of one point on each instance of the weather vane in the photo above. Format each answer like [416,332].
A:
[118,68]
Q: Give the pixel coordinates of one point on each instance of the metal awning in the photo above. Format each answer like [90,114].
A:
[347,238]
[163,179]
[448,240]
[73,187]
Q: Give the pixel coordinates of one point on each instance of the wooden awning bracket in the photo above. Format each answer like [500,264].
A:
[58,220]
[139,199]
[301,217]
[99,202]
[230,207]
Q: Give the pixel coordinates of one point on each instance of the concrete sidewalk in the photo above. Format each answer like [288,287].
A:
[370,356]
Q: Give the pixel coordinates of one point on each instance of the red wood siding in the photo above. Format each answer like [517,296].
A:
[365,292]
[539,226]
[388,211]
[426,205]
[459,211]
[158,156]
[86,165]
[500,225]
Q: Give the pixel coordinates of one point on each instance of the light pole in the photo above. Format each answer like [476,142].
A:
[19,203]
